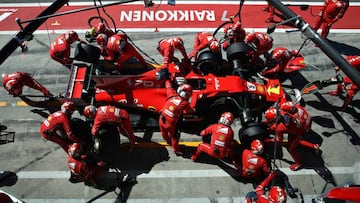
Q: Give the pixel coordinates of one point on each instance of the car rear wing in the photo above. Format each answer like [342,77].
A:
[79,85]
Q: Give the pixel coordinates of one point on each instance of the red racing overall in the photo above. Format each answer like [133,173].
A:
[14,83]
[112,115]
[54,128]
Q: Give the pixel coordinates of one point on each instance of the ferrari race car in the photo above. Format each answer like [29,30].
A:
[141,91]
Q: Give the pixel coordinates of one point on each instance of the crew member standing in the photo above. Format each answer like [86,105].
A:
[353,89]
[332,11]
[176,104]
[57,128]
[15,82]
[110,115]
[202,41]
[60,48]
[295,121]
[234,33]
[222,139]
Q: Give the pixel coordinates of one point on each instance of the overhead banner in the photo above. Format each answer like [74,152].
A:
[181,16]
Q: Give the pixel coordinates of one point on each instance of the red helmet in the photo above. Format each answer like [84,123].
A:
[90,111]
[353,60]
[71,36]
[75,149]
[288,106]
[13,86]
[279,53]
[214,46]
[177,42]
[270,114]
[101,39]
[68,108]
[236,27]
[277,195]
[226,118]
[257,147]
[184,91]
[100,28]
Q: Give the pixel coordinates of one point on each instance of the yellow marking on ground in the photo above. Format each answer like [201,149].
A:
[21,103]
[2,103]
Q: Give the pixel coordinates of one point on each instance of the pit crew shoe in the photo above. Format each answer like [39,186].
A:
[295,167]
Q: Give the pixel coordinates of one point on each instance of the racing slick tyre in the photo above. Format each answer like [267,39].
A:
[239,51]
[108,139]
[251,131]
[208,62]
[87,53]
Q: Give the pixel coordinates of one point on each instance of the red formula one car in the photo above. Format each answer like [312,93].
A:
[138,90]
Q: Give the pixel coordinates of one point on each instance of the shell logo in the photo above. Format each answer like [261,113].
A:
[260,89]
[171,108]
[111,110]
[221,138]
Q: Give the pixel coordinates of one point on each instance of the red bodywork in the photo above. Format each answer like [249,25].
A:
[144,92]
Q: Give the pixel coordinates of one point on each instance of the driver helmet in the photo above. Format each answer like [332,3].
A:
[68,108]
[101,39]
[277,195]
[226,118]
[90,111]
[184,91]
[71,36]
[257,147]
[214,46]
[177,42]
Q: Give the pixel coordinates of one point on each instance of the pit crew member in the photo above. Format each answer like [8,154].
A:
[234,33]
[167,47]
[295,121]
[254,166]
[117,49]
[279,58]
[222,139]
[60,48]
[57,128]
[332,11]
[110,115]
[353,89]
[276,193]
[15,82]
[176,105]
[202,41]
[261,42]
[83,166]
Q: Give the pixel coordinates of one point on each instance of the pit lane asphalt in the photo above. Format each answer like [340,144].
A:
[174,180]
